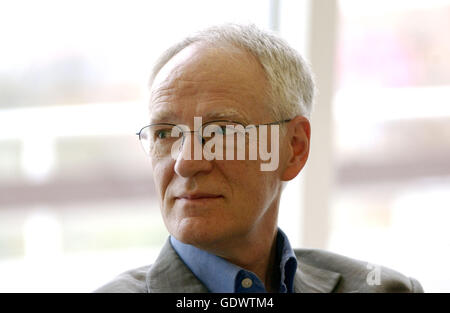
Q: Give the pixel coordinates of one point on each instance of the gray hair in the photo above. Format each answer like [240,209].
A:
[292,85]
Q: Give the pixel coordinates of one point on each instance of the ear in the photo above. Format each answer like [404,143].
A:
[298,136]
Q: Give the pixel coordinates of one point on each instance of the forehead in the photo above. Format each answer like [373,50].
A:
[203,80]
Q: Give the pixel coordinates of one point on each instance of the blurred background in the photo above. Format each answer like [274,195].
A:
[77,205]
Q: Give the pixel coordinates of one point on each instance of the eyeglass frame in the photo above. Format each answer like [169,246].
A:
[210,123]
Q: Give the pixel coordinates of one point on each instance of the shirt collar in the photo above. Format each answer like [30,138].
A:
[221,276]
[288,262]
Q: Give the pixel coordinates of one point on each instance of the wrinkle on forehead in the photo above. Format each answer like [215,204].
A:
[207,73]
[200,62]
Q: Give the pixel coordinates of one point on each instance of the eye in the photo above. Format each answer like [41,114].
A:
[162,133]
[224,130]
[229,129]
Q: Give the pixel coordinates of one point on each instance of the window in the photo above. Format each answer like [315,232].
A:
[76,189]
[392,126]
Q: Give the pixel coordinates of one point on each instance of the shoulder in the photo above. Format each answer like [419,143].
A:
[131,281]
[356,275]
[168,273]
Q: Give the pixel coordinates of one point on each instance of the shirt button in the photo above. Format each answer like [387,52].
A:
[247,283]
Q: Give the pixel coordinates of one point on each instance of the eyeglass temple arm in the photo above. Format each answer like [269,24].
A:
[278,122]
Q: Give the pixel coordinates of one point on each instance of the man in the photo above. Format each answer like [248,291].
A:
[222,212]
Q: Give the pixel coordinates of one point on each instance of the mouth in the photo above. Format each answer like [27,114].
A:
[197,197]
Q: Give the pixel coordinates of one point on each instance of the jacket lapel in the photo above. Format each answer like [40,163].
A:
[310,279]
[169,274]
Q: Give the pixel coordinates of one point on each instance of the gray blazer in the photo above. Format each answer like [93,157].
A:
[318,271]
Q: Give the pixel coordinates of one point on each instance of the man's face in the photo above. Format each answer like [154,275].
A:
[211,203]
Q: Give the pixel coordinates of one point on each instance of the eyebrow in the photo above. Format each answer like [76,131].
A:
[169,116]
[227,114]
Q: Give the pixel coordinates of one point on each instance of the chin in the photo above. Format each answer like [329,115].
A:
[197,233]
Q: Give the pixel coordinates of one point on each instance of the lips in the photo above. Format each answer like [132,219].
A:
[198,196]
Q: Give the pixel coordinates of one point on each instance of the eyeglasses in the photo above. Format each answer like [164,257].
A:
[160,140]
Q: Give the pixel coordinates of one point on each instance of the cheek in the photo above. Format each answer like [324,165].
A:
[249,185]
[162,173]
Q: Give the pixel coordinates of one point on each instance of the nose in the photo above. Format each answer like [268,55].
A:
[190,160]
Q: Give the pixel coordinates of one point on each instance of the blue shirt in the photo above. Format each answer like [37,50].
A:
[221,276]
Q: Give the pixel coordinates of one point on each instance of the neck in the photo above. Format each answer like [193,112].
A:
[260,260]
[255,251]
